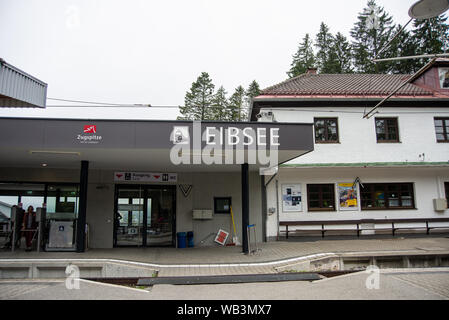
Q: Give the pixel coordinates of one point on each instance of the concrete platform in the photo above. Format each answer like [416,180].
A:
[274,257]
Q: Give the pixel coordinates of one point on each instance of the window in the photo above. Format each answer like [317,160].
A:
[387,196]
[387,130]
[442,129]
[321,197]
[326,130]
[222,205]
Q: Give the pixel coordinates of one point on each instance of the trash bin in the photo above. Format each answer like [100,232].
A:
[190,239]
[181,239]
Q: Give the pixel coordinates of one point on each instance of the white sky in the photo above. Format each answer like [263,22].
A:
[141,51]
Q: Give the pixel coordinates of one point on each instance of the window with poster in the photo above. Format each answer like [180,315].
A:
[387,196]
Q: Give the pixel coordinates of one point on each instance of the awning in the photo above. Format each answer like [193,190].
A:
[147,145]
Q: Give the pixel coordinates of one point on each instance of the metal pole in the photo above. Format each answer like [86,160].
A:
[392,39]
[370,113]
[245,206]
[439,55]
[81,221]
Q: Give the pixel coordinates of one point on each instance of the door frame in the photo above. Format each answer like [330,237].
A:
[145,188]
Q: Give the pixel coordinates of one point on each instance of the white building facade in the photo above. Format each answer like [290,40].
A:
[388,166]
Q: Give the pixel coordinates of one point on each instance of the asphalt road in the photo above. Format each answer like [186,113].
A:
[425,284]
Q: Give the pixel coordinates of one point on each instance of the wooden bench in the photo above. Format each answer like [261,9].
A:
[394,223]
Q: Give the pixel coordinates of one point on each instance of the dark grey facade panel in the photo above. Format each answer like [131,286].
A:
[107,134]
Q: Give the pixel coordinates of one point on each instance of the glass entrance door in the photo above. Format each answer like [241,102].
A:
[145,215]
[129,217]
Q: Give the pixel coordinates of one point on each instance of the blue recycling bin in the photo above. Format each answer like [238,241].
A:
[190,239]
[182,240]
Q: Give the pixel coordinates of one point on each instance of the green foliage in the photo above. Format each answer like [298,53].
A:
[371,32]
[430,36]
[198,101]
[303,59]
[342,50]
[237,106]
[220,105]
[202,103]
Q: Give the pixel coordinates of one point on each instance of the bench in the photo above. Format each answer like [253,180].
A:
[359,223]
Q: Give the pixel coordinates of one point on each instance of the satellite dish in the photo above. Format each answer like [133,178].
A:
[426,9]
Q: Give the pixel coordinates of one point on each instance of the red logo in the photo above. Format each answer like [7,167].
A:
[90,129]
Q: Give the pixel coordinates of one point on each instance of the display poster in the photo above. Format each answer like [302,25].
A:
[291,198]
[347,195]
[444,77]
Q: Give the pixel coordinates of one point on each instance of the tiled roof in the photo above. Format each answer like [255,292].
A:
[346,85]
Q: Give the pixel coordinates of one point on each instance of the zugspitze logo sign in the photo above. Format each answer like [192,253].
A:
[90,129]
[89,135]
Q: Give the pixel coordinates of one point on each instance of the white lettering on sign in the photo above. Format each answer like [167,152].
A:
[230,145]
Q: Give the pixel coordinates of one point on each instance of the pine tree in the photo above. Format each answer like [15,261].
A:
[431,36]
[237,110]
[326,56]
[220,105]
[342,49]
[198,101]
[403,45]
[252,91]
[303,59]
[370,33]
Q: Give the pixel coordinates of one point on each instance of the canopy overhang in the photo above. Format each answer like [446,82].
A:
[144,145]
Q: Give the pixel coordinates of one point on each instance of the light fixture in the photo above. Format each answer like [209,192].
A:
[44,165]
[73,153]
[426,9]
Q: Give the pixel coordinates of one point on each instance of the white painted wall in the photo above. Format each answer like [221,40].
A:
[358,136]
[428,184]
[358,144]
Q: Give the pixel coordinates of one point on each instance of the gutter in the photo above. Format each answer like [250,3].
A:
[367,165]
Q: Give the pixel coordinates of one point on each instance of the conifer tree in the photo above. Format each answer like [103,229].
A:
[237,109]
[198,101]
[370,33]
[326,56]
[431,36]
[252,91]
[303,59]
[220,105]
[342,49]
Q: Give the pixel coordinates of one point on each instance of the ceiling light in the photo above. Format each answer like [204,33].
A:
[73,153]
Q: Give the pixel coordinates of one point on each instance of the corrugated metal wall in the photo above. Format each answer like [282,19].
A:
[18,89]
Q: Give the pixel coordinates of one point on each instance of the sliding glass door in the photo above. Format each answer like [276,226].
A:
[144,215]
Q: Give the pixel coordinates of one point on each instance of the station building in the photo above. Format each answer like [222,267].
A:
[394,164]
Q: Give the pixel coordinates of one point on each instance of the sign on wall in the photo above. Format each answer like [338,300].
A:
[347,195]
[291,198]
[145,177]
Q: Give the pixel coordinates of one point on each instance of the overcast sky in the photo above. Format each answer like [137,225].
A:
[141,51]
